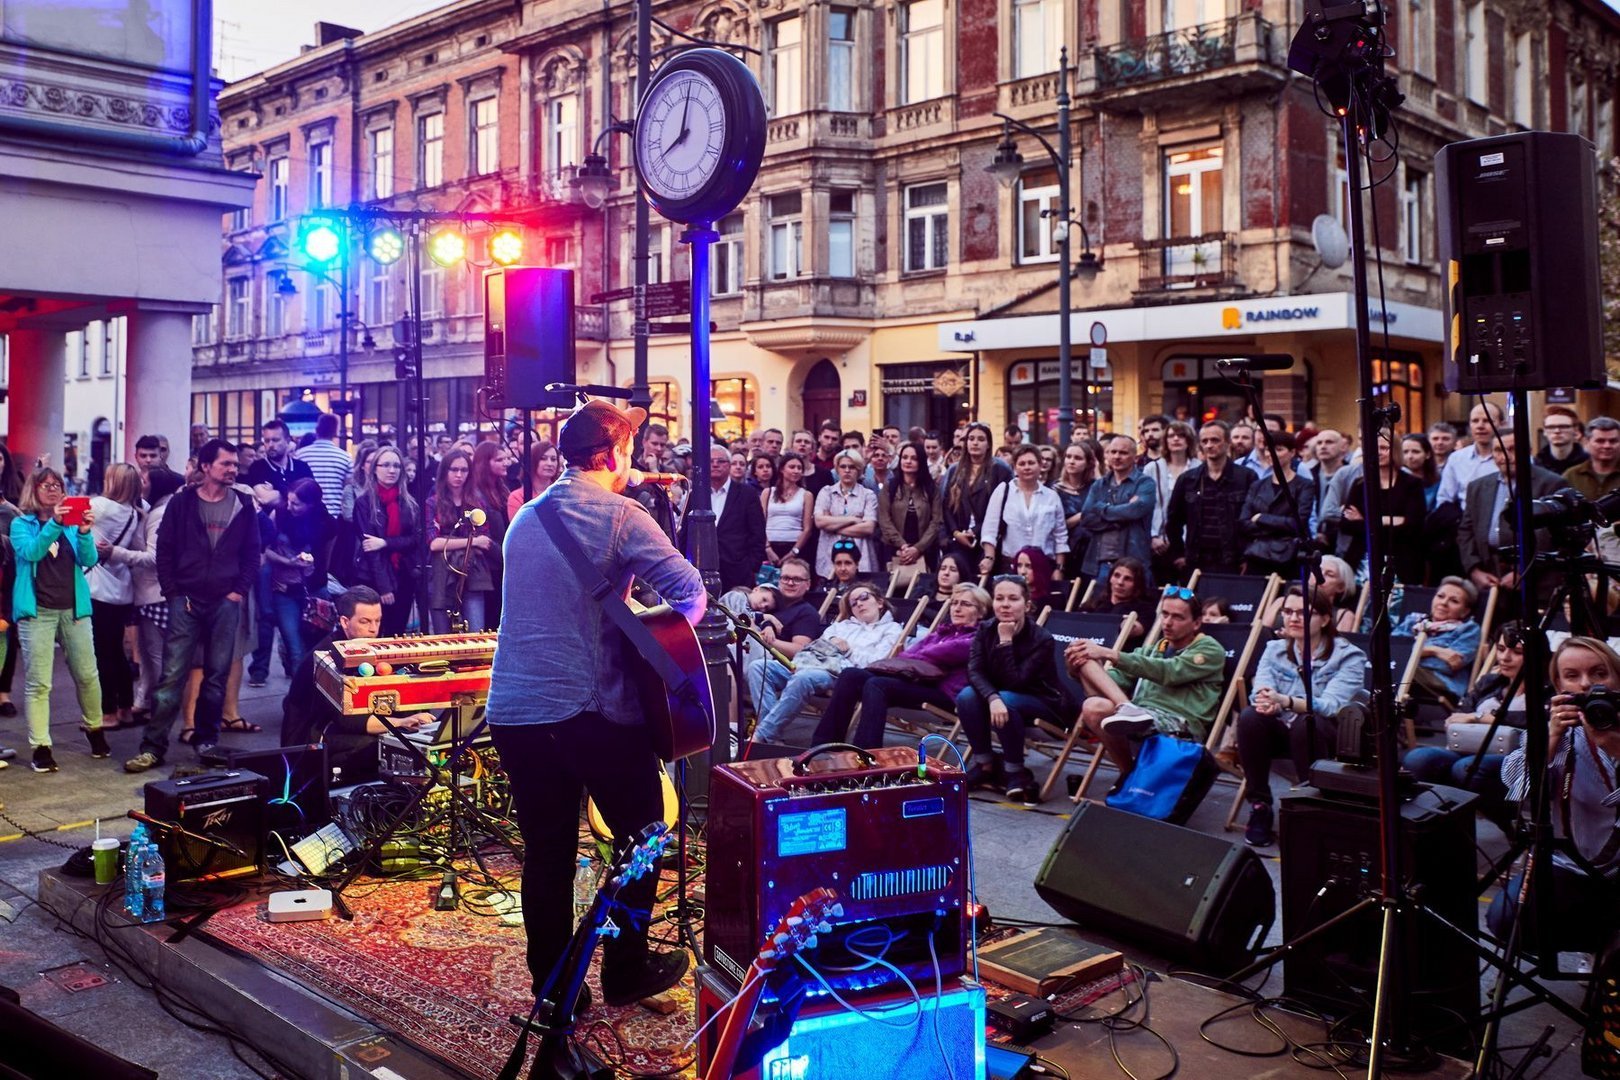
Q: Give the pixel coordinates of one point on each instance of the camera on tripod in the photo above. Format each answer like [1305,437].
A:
[1569,509]
[1600,706]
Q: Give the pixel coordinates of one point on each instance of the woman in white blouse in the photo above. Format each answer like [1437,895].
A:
[846,510]
[1023,513]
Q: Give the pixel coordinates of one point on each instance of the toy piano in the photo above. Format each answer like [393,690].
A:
[405,674]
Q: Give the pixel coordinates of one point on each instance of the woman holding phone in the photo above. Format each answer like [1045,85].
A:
[54,546]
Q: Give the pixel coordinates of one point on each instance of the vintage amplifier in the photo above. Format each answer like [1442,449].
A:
[888,834]
[405,674]
[228,806]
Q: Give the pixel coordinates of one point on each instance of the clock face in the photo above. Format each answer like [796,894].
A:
[681,134]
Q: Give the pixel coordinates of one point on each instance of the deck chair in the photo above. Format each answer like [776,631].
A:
[1403,653]
[1067,627]
[1238,640]
[1247,596]
[1079,593]
[1487,623]
[1418,598]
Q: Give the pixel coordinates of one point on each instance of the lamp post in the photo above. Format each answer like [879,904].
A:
[1008,167]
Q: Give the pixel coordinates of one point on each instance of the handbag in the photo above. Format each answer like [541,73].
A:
[114,580]
[1171,778]
[904,667]
[1468,737]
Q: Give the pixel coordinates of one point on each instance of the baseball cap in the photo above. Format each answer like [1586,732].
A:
[598,425]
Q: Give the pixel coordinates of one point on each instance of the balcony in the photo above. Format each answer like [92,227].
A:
[931,117]
[590,324]
[1188,262]
[1176,65]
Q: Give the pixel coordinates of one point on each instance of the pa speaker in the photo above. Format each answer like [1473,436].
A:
[1330,859]
[1519,238]
[528,337]
[1197,899]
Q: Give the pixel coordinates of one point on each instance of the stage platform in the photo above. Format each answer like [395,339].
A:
[321,996]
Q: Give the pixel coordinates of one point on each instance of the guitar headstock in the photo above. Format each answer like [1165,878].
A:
[642,858]
[809,915]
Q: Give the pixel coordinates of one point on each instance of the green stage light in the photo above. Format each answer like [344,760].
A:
[385,246]
[320,241]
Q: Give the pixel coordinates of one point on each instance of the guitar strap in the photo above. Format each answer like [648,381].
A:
[601,590]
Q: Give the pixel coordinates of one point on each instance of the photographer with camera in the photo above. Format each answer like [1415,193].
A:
[1583,749]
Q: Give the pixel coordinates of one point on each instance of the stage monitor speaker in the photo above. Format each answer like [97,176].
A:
[228,806]
[1519,243]
[528,337]
[1197,899]
[1330,859]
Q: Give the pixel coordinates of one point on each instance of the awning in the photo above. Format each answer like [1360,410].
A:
[1205,322]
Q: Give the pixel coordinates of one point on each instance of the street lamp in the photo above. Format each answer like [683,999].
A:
[1007,167]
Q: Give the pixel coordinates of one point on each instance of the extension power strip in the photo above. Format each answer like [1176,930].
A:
[324,848]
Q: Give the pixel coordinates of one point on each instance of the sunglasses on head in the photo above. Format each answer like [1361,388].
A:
[1178,592]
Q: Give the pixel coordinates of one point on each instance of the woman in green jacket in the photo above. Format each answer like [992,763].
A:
[51,603]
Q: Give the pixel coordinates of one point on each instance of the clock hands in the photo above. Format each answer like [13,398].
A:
[685,111]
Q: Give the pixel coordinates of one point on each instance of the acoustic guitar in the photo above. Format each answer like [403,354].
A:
[680,720]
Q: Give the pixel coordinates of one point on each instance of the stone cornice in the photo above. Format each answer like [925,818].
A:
[33,96]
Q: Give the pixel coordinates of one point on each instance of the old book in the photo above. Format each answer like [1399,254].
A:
[1042,962]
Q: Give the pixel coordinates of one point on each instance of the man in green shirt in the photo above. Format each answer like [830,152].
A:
[1173,685]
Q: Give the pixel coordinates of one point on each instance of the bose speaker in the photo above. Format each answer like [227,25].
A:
[1519,241]
[1196,899]
[528,337]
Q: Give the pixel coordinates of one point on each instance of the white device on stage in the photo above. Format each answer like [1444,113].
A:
[302,905]
[324,848]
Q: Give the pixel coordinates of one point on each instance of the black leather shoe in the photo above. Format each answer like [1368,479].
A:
[657,973]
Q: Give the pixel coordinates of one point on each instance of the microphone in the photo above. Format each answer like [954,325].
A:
[639,477]
[476,516]
[1257,362]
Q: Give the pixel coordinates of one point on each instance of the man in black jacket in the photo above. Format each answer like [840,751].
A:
[207,562]
[1485,535]
[739,521]
[1201,520]
[1275,517]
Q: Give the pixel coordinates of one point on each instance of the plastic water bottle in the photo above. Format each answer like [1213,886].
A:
[152,884]
[584,887]
[134,895]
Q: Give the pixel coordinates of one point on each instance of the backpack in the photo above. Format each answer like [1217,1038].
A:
[1171,778]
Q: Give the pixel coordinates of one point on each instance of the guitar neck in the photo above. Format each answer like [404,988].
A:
[740,1015]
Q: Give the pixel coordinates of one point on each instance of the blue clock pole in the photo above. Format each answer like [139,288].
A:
[702,543]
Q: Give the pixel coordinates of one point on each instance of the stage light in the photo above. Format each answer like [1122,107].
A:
[447,247]
[320,240]
[506,247]
[385,246]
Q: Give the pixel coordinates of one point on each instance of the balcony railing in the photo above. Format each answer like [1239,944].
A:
[1187,262]
[590,324]
[1175,53]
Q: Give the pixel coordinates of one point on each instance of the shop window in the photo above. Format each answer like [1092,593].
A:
[1032,396]
[1398,380]
[739,400]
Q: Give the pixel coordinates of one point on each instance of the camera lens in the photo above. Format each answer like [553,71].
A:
[1601,709]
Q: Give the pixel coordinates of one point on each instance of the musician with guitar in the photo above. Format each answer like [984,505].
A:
[563,706]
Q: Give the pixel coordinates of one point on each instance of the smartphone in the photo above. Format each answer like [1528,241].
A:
[74,508]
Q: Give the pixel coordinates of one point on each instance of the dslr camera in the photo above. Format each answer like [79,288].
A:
[1600,706]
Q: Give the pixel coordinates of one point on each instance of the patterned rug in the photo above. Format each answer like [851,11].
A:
[447,981]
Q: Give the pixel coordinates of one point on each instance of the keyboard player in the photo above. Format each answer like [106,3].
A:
[307,716]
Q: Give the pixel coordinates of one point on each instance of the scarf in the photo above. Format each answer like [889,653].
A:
[388,499]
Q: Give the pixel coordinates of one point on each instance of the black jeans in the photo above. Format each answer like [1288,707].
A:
[1263,739]
[550,766]
[107,623]
[875,694]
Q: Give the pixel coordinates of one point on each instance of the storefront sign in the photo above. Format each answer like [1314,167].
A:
[1235,319]
[857,399]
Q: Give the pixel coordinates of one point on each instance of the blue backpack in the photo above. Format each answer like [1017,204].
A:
[1171,778]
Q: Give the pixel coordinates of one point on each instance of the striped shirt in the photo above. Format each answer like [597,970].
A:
[331,467]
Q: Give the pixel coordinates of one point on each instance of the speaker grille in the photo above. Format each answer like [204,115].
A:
[917,880]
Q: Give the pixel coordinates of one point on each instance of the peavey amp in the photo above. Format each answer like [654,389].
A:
[890,837]
[225,806]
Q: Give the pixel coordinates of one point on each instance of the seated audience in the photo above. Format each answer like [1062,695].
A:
[1172,686]
[1275,723]
[1012,682]
[1448,650]
[1217,609]
[931,672]
[955,568]
[785,619]
[846,566]
[1036,567]
[1338,584]
[1125,590]
[1582,759]
[308,717]
[865,631]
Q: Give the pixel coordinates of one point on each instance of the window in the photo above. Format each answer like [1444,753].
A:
[1474,70]
[278,189]
[78,343]
[1398,380]
[922,51]
[475,290]
[560,251]
[202,328]
[484,143]
[1038,208]
[1192,209]
[236,308]
[1420,32]
[1412,218]
[841,234]
[727,274]
[430,150]
[1577,107]
[739,400]
[786,69]
[1341,194]
[1603,128]
[277,308]
[927,227]
[432,292]
[379,287]
[562,133]
[840,60]
[320,309]
[382,163]
[320,174]
[1186,14]
[1037,33]
[657,241]
[787,235]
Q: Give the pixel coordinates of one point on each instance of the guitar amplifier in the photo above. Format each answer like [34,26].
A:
[227,806]
[891,840]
